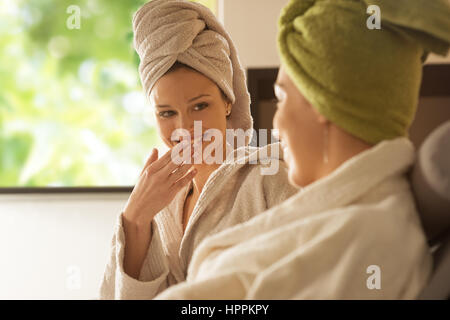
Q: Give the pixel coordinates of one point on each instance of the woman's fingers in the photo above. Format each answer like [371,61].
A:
[166,166]
[172,165]
[181,171]
[162,162]
[152,158]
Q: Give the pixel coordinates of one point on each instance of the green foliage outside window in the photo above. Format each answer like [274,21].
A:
[72,110]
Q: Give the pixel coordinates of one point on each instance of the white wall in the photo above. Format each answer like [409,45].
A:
[252,24]
[55,246]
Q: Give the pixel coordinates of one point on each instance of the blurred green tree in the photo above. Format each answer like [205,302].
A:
[72,110]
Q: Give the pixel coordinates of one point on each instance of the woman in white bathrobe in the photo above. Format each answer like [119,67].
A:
[346,98]
[193,79]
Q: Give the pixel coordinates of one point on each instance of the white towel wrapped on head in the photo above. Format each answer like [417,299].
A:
[166,31]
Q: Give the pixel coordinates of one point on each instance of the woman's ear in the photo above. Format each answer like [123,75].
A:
[228,109]
[320,118]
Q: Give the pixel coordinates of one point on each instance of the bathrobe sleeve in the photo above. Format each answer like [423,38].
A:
[336,255]
[116,284]
[346,257]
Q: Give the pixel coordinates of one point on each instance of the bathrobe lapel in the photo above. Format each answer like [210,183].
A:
[215,184]
[345,185]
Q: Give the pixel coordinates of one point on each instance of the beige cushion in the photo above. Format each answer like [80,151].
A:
[430,181]
[439,284]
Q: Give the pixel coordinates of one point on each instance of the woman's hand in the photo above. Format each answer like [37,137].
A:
[158,183]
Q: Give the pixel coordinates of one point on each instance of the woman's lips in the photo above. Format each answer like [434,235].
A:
[205,137]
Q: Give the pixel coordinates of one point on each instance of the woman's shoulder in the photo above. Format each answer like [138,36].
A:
[263,168]
[256,155]
[257,164]
[267,160]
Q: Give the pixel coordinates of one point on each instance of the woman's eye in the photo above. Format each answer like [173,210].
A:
[166,114]
[200,106]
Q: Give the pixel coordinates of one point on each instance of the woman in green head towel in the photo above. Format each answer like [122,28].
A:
[347,96]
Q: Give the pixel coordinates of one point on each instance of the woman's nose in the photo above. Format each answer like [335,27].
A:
[186,122]
[275,121]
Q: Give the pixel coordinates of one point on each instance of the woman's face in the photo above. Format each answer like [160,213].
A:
[183,96]
[300,131]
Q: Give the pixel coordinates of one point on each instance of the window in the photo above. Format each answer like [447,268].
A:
[72,110]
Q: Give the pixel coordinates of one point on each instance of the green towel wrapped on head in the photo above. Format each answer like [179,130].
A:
[366,81]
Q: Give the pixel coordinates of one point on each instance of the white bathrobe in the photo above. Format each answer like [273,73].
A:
[354,234]
[233,194]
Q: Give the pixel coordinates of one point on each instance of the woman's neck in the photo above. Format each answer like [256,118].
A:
[203,173]
[342,147]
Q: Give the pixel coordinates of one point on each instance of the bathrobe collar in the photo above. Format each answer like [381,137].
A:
[241,157]
[347,183]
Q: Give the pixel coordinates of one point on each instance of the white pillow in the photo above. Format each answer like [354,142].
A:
[430,181]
